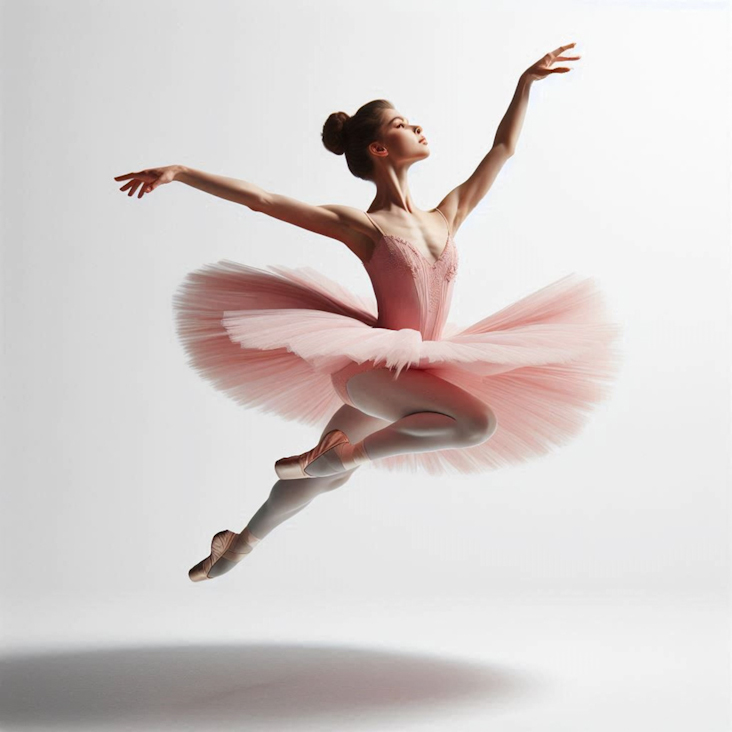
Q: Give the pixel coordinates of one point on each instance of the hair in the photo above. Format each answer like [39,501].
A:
[343,134]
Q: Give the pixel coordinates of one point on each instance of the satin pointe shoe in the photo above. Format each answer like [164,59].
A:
[289,468]
[221,546]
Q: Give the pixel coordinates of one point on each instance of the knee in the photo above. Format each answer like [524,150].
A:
[479,427]
[306,489]
[331,482]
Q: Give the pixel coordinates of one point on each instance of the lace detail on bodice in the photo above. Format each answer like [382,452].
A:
[411,291]
[417,261]
[393,258]
[452,266]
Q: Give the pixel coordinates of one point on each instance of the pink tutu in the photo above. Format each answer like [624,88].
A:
[286,341]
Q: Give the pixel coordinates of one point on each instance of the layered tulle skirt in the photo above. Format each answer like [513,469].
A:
[285,341]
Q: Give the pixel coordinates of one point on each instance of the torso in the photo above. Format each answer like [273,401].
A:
[427,234]
[412,288]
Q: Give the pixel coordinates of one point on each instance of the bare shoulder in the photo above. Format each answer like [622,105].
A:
[356,231]
[347,224]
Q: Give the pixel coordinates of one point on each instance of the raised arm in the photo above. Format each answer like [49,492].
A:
[460,201]
[458,204]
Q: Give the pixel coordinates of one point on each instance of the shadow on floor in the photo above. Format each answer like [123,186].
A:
[268,686]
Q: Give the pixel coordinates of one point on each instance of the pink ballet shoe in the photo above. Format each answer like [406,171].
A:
[221,546]
[289,468]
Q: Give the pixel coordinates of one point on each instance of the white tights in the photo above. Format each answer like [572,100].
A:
[417,412]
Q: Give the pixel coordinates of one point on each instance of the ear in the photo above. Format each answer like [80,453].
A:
[377,149]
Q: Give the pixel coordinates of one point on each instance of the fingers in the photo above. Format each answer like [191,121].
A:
[554,58]
[137,179]
[145,189]
[133,186]
[542,68]
[138,174]
[555,55]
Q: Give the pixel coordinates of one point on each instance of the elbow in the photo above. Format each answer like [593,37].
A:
[508,149]
[259,203]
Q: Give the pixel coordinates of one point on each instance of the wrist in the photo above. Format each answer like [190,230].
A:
[179,171]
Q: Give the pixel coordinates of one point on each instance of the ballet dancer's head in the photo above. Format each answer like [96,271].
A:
[377,136]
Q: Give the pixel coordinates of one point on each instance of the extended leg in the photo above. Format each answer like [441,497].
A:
[289,497]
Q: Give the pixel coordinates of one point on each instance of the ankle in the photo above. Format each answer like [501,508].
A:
[354,455]
[247,537]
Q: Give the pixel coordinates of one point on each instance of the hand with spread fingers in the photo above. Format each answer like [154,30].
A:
[543,67]
[149,179]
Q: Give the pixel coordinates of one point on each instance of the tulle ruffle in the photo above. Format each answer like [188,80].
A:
[271,339]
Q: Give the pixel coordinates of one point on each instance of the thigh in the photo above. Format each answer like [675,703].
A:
[379,394]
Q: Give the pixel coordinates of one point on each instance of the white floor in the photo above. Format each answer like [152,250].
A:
[218,662]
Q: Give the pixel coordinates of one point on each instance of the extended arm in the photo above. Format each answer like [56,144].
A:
[509,130]
[231,189]
[334,221]
[463,199]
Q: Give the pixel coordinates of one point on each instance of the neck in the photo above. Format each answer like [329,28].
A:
[392,191]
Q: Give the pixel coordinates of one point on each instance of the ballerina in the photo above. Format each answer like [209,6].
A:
[398,392]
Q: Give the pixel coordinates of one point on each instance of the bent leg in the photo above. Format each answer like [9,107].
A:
[425,412]
[288,497]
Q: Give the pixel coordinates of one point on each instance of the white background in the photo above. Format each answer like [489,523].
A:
[603,567]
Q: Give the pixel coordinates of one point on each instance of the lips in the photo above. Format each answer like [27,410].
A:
[423,141]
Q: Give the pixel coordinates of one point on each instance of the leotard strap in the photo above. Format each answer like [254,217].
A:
[444,217]
[375,224]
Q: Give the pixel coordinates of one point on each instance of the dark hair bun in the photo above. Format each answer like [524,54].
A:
[334,132]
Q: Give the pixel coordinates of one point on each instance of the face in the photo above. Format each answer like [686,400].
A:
[402,139]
